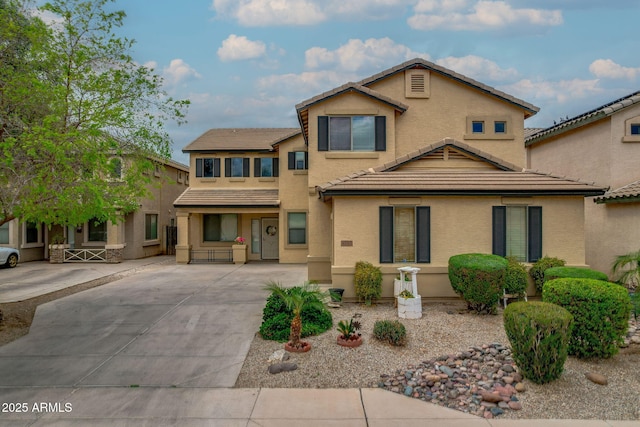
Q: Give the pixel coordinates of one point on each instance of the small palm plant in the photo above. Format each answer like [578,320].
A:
[296,299]
[627,266]
[349,329]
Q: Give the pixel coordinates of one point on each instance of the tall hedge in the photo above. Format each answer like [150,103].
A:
[600,310]
[573,272]
[478,279]
[539,334]
[515,281]
[538,268]
[367,281]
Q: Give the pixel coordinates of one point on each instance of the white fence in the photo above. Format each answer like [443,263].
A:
[85,255]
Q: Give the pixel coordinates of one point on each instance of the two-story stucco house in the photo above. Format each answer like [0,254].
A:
[601,145]
[407,167]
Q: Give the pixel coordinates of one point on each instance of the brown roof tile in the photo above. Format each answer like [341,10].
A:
[245,139]
[629,192]
[353,87]
[218,197]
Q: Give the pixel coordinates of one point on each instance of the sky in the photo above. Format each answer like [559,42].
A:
[247,63]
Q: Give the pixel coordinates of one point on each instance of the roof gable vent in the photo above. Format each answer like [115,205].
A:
[417,83]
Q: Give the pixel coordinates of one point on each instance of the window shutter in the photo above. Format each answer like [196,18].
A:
[227,167]
[291,160]
[216,167]
[500,230]
[306,160]
[245,167]
[386,234]
[535,233]
[423,234]
[257,166]
[323,133]
[199,168]
[276,167]
[381,133]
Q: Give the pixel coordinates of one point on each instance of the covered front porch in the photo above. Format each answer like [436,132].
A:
[227,226]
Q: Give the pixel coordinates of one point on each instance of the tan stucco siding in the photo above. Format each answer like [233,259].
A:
[458,225]
[444,115]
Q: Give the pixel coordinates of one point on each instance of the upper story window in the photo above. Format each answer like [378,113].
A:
[477,127]
[635,129]
[207,167]
[115,168]
[266,167]
[235,167]
[298,160]
[352,133]
[632,130]
[489,127]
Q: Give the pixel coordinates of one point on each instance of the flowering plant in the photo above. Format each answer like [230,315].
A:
[240,240]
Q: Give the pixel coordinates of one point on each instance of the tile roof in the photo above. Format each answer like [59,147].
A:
[204,197]
[530,131]
[628,193]
[456,182]
[583,119]
[419,62]
[240,139]
[353,87]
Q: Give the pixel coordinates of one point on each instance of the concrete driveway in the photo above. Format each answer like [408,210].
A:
[175,325]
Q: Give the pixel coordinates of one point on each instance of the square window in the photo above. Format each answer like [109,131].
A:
[477,127]
[352,133]
[635,129]
[266,167]
[151,227]
[236,167]
[500,127]
[219,227]
[297,225]
[207,168]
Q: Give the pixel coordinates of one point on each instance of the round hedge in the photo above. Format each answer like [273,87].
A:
[538,268]
[573,272]
[539,334]
[478,279]
[600,310]
[515,281]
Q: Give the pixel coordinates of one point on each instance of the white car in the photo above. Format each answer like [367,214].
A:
[9,257]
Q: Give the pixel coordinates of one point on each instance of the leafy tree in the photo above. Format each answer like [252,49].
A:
[74,102]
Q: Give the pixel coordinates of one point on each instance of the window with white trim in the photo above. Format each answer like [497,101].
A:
[297,228]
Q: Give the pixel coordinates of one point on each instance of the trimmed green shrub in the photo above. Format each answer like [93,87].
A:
[600,310]
[539,334]
[573,272]
[537,269]
[276,320]
[478,279]
[390,331]
[515,280]
[367,281]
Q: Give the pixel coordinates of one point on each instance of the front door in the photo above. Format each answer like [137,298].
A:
[269,238]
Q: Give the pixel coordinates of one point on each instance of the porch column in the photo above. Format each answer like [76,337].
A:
[115,241]
[183,246]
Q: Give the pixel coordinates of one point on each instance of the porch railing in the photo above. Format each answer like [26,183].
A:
[85,255]
[211,255]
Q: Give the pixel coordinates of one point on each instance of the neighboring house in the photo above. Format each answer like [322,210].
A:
[410,166]
[142,233]
[601,145]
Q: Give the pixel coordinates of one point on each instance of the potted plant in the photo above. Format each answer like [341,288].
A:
[306,295]
[349,337]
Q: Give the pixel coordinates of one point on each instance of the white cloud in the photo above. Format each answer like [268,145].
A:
[478,68]
[236,48]
[560,92]
[259,13]
[303,85]
[359,55]
[462,15]
[606,68]
[178,71]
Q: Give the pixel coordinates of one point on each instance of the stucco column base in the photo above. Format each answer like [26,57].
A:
[114,253]
[239,254]
[183,254]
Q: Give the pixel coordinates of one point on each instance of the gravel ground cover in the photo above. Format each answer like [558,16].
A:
[447,329]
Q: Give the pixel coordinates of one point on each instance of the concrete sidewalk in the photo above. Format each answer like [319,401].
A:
[127,386]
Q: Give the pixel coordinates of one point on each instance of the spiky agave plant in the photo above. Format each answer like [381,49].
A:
[296,299]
